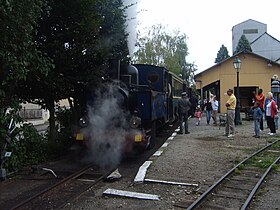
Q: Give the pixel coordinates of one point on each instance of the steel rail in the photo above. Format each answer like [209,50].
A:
[255,189]
[203,196]
[72,176]
[86,189]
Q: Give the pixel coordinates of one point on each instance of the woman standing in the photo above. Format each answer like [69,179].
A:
[208,107]
[215,107]
[271,111]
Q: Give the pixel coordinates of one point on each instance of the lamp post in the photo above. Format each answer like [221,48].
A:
[275,87]
[201,92]
[237,66]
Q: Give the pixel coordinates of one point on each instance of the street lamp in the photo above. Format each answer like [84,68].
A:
[237,66]
[201,92]
[275,87]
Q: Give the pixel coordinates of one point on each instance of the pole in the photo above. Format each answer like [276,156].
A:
[201,94]
[237,109]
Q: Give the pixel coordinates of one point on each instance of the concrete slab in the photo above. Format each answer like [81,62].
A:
[130,194]
[157,153]
[140,176]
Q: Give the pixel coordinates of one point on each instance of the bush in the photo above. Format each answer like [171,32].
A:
[27,147]
[63,140]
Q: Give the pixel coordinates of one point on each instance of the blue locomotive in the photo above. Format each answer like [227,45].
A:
[149,94]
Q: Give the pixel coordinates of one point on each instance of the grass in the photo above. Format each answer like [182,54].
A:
[276,146]
[262,161]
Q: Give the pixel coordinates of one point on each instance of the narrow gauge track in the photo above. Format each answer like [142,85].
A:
[236,189]
[64,191]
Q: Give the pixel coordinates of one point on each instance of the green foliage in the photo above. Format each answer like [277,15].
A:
[18,53]
[165,49]
[237,171]
[52,50]
[64,140]
[64,136]
[243,45]
[222,54]
[80,36]
[262,161]
[27,147]
[241,166]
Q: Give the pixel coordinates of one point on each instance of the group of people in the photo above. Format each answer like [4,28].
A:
[262,107]
[185,106]
[266,107]
[211,107]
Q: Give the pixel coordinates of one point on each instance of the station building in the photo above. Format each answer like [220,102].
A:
[256,72]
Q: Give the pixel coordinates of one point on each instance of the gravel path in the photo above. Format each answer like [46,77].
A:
[200,157]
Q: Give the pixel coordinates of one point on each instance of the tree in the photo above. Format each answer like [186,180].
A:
[161,48]
[80,36]
[243,45]
[222,54]
[188,73]
[19,54]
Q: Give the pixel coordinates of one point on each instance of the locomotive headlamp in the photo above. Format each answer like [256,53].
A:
[82,122]
[135,122]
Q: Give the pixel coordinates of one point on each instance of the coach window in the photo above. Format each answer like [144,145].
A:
[177,88]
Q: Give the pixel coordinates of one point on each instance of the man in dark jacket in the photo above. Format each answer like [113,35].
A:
[193,100]
[184,106]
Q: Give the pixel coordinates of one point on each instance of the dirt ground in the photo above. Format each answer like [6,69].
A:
[201,157]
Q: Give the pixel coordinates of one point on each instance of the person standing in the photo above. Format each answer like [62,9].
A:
[198,115]
[271,111]
[257,116]
[194,101]
[215,107]
[276,119]
[208,108]
[231,105]
[260,98]
[184,105]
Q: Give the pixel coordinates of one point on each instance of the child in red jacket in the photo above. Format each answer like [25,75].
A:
[198,116]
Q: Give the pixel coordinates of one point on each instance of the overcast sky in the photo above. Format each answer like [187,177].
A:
[208,24]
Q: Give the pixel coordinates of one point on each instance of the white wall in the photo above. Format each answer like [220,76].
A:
[237,31]
[267,47]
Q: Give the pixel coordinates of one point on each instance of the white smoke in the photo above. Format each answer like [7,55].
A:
[107,128]
[131,22]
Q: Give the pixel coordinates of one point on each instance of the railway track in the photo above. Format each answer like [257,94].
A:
[64,191]
[236,189]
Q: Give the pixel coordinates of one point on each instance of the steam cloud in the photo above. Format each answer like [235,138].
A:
[131,21]
[107,128]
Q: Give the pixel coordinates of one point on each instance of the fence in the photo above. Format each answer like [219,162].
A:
[31,113]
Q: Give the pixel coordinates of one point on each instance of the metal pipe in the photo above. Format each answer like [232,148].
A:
[50,170]
[201,91]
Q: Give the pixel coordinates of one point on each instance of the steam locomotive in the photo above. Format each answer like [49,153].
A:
[149,94]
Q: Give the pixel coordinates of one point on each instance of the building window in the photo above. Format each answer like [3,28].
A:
[250,31]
